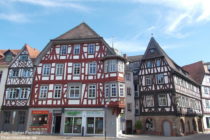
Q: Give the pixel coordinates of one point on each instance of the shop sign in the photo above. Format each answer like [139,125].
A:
[73,113]
[40,112]
[95,113]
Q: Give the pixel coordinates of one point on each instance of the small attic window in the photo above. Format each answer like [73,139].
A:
[8,58]
[152,50]
[208,67]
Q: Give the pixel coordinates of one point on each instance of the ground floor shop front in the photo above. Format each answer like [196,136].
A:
[171,125]
[75,121]
[206,122]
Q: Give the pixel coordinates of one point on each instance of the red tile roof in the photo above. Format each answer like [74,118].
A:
[33,53]
[3,51]
[196,71]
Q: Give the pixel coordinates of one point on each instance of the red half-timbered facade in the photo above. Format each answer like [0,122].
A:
[170,100]
[78,77]
[17,90]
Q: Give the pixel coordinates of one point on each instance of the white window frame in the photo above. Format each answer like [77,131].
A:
[112,65]
[148,80]
[15,73]
[160,78]
[74,87]
[149,101]
[24,92]
[43,94]
[77,49]
[57,91]
[106,66]
[91,48]
[158,62]
[92,68]
[26,73]
[113,87]
[63,49]
[120,66]
[162,100]
[77,69]
[107,90]
[121,89]
[92,91]
[46,69]
[59,69]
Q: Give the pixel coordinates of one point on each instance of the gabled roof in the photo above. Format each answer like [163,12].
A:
[81,31]
[135,58]
[196,71]
[33,53]
[159,52]
[2,55]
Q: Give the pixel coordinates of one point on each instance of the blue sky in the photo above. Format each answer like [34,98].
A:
[180,26]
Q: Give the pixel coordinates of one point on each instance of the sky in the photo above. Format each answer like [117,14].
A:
[181,27]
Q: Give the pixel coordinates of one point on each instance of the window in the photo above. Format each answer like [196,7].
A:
[158,62]
[15,72]
[7,117]
[39,119]
[120,66]
[149,101]
[74,91]
[92,91]
[8,58]
[22,117]
[149,64]
[129,108]
[121,89]
[24,93]
[76,49]
[94,125]
[46,69]
[57,91]
[129,91]
[73,125]
[162,99]
[43,92]
[113,89]
[112,65]
[208,67]
[92,68]
[208,122]
[206,90]
[91,48]
[207,104]
[76,68]
[160,79]
[59,69]
[26,73]
[107,90]
[1,73]
[13,93]
[106,66]
[148,80]
[152,50]
[23,57]
[63,50]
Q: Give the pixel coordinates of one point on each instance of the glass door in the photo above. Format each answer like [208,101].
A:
[73,125]
[90,125]
[95,125]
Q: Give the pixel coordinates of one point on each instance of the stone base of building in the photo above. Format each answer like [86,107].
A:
[171,125]
[75,121]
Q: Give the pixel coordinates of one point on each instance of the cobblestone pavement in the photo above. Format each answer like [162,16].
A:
[8,136]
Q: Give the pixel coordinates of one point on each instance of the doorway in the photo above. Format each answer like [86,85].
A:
[129,129]
[166,128]
[57,124]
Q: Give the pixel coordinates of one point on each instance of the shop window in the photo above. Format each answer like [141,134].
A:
[162,100]
[76,49]
[7,117]
[22,117]
[63,50]
[208,122]
[94,125]
[39,119]
[91,48]
[73,125]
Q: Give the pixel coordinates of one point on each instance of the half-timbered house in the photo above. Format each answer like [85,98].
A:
[78,86]
[6,56]
[17,90]
[200,72]
[170,101]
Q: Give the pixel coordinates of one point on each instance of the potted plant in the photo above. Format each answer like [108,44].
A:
[138,127]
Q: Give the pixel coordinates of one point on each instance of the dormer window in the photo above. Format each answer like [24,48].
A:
[152,50]
[8,58]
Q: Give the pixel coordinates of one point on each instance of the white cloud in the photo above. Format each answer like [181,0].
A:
[14,17]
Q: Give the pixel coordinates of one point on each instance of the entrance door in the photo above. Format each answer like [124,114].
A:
[21,121]
[166,128]
[129,129]
[57,124]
